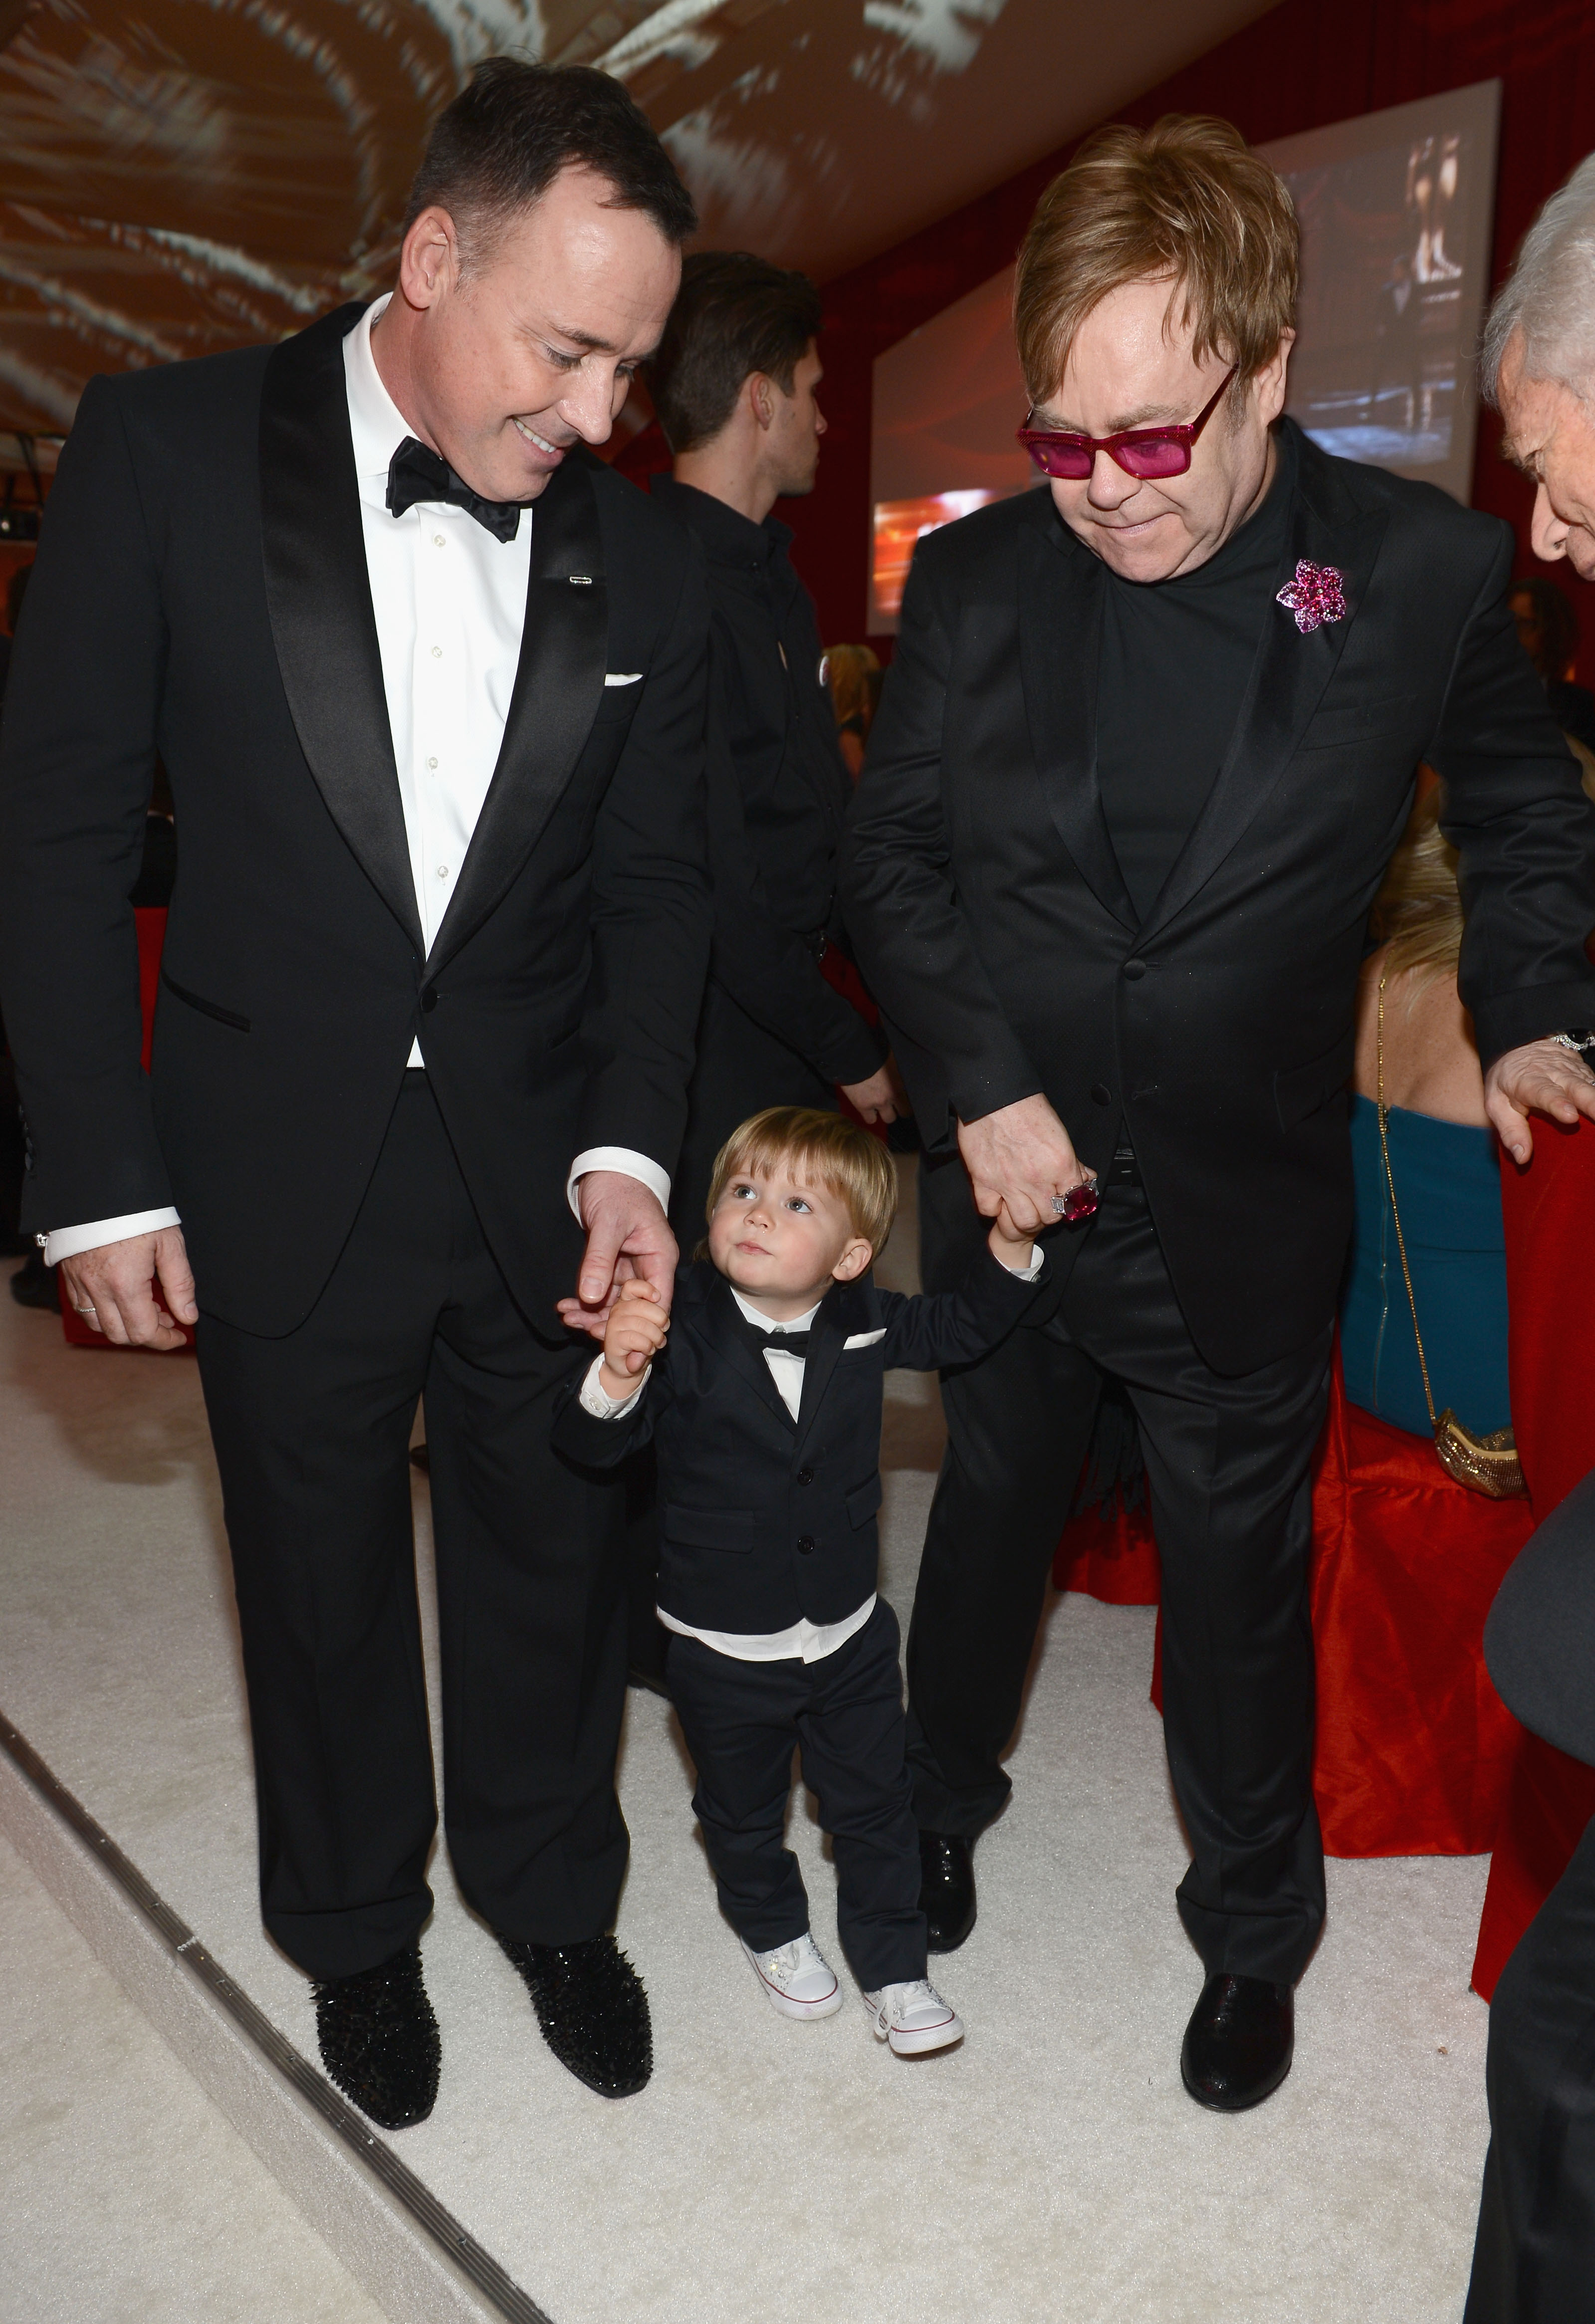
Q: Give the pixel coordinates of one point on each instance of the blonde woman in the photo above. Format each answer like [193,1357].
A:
[1444,1163]
[854,672]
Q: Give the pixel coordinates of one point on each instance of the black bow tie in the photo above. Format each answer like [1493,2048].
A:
[414,473]
[786,1343]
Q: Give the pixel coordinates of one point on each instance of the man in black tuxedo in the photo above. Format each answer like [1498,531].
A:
[428,683]
[1146,746]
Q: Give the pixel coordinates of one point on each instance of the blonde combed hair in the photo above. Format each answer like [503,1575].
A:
[819,1150]
[1418,912]
[1186,200]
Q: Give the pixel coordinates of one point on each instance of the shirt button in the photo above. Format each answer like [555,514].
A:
[806,1475]
[437,653]
[806,1545]
[443,871]
[433,764]
[439,540]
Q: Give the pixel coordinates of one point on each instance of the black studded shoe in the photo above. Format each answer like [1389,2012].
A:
[379,2039]
[947,1888]
[593,2010]
[1238,2046]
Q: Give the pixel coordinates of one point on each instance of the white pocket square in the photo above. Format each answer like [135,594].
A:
[863,1339]
[622,676]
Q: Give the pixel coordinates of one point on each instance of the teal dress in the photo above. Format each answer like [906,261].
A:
[1448,1185]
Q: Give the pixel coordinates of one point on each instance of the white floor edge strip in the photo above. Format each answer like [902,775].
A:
[382,2222]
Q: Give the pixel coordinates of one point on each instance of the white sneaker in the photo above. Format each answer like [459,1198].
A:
[796,1978]
[914,2018]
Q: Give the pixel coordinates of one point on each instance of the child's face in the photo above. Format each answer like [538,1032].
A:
[783,1243]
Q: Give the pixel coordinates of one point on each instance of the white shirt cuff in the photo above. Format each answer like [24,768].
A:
[1026,1274]
[622,1158]
[66,1242]
[596,1399]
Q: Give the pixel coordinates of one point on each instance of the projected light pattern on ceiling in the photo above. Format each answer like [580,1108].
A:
[202,174]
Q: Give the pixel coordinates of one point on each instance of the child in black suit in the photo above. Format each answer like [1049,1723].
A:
[764,1406]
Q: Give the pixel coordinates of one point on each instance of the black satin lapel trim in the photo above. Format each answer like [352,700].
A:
[1060,628]
[558,686]
[827,1333]
[318,597]
[715,1322]
[1289,677]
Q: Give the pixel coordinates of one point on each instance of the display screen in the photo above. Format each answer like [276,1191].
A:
[1395,210]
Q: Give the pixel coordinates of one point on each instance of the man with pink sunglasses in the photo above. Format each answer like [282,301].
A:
[1148,744]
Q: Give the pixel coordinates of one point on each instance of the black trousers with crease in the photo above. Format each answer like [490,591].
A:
[1228,1464]
[311,1436]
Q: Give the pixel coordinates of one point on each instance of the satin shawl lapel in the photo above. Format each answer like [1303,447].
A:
[558,686]
[318,597]
[1060,614]
[1288,677]
[714,1320]
[826,1334]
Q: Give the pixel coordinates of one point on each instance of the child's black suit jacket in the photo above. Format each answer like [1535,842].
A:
[762,1520]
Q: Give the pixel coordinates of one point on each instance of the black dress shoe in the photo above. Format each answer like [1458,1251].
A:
[1238,2046]
[593,2010]
[947,1888]
[379,2039]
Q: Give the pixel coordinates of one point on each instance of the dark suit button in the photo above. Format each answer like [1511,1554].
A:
[806,1545]
[806,1475]
[429,1001]
[1100,1094]
[1134,970]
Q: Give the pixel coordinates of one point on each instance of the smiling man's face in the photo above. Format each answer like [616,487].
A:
[502,363]
[1550,434]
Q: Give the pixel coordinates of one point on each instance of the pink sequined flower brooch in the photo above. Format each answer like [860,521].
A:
[1315,595]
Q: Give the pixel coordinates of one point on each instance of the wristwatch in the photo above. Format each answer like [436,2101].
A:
[1579,1038]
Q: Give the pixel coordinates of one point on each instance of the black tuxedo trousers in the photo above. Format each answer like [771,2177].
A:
[311,1431]
[1228,1462]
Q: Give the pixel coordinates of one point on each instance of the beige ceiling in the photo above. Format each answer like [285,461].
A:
[198,174]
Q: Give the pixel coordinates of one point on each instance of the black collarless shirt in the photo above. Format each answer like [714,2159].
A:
[780,725]
[1172,673]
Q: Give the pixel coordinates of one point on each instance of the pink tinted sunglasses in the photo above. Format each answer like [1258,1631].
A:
[1139,451]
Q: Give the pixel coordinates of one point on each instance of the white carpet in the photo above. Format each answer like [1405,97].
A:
[1051,2170]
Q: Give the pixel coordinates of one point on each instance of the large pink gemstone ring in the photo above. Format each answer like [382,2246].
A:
[1079,1203]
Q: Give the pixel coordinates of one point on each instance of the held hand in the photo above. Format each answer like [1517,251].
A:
[1542,1077]
[1020,1156]
[883,1098]
[114,1286]
[1007,1246]
[629,1238]
[633,1337]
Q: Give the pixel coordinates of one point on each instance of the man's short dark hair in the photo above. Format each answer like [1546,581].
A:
[505,139]
[734,314]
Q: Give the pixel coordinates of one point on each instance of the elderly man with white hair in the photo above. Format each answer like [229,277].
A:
[1539,370]
[1534,2260]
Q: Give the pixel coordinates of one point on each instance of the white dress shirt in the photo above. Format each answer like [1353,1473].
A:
[450,604]
[810,1642]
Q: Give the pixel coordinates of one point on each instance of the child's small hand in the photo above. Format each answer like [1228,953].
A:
[1007,1246]
[633,1337]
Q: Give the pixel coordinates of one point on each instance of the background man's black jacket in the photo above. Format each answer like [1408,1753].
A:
[764,1521]
[993,926]
[202,592]
[779,789]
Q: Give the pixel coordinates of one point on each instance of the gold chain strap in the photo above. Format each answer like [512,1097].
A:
[1396,1214]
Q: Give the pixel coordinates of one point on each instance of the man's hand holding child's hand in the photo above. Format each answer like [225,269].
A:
[1007,1246]
[633,1337]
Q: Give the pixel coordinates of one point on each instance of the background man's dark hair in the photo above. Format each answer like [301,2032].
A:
[505,139]
[733,314]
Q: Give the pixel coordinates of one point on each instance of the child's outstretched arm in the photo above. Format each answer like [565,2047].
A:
[633,1337]
[604,1415]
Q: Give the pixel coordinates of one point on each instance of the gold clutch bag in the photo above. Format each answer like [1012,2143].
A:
[1485,1464]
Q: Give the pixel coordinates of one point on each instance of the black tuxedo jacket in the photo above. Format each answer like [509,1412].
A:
[993,926]
[764,1521]
[201,591]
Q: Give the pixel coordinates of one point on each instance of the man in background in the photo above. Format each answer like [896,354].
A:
[1538,364]
[735,384]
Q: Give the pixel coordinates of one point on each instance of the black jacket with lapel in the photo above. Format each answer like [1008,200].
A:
[764,1520]
[994,925]
[202,592]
